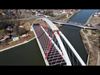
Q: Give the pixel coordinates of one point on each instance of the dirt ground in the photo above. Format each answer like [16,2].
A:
[91,40]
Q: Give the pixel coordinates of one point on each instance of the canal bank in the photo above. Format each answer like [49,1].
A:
[16,45]
[90,17]
[72,15]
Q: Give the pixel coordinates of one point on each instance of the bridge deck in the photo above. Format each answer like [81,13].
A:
[54,57]
[77,25]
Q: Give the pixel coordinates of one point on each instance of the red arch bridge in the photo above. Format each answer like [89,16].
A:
[51,42]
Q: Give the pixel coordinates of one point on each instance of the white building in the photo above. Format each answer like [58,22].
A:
[14,38]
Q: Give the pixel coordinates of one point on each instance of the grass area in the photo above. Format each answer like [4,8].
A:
[63,16]
[98,32]
[95,20]
[2,31]
[91,41]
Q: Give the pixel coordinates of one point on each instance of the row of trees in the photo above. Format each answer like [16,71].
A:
[15,13]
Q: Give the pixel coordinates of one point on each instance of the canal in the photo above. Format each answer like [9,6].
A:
[73,33]
[82,16]
[29,54]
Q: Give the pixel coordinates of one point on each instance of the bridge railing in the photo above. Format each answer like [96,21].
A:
[51,51]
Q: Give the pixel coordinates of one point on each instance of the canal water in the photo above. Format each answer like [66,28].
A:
[73,33]
[29,54]
[82,16]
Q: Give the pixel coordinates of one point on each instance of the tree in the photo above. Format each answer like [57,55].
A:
[22,31]
[49,12]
